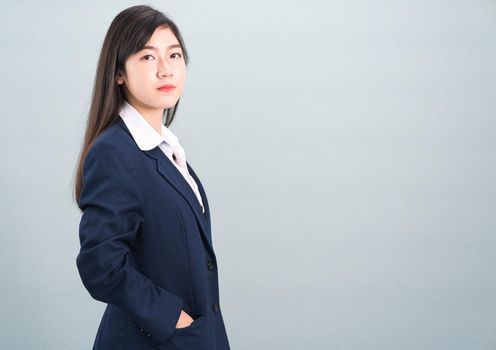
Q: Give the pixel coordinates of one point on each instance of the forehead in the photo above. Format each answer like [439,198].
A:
[162,37]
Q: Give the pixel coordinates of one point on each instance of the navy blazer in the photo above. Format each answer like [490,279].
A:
[146,249]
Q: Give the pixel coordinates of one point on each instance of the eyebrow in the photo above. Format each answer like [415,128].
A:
[156,49]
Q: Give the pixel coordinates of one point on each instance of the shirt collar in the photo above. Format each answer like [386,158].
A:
[145,136]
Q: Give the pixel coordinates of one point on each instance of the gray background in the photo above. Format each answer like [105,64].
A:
[347,149]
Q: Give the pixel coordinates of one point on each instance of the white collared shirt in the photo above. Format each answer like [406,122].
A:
[147,138]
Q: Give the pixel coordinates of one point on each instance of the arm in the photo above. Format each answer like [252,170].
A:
[112,214]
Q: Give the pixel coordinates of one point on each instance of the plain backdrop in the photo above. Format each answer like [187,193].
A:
[347,149]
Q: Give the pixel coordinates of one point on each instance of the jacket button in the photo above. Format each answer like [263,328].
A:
[216,307]
[210,265]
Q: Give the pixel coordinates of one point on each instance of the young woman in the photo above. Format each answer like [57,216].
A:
[145,233]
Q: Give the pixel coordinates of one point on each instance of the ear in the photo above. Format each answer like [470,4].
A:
[119,78]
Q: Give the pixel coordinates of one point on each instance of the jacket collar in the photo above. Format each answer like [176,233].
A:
[170,173]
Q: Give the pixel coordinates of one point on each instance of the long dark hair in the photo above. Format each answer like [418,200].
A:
[127,34]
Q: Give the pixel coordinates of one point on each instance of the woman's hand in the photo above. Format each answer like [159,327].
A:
[184,320]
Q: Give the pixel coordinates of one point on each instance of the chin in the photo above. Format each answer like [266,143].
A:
[169,104]
[166,101]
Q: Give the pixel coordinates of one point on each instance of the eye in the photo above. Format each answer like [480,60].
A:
[145,57]
[177,53]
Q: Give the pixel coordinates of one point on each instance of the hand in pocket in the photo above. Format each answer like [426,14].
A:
[184,320]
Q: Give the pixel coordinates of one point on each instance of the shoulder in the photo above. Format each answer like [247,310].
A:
[113,152]
[115,142]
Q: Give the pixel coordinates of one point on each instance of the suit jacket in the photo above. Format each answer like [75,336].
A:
[146,249]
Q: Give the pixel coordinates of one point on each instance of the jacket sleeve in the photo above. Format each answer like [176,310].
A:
[111,202]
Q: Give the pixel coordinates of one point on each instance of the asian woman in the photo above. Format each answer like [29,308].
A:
[145,233]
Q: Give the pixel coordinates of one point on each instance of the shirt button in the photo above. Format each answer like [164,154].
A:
[216,307]
[210,265]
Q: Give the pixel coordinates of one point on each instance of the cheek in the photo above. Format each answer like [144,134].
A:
[181,77]
[137,67]
[137,79]
[135,75]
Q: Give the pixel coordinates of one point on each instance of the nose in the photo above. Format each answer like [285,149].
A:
[164,68]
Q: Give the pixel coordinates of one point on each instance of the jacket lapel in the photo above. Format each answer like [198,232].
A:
[170,173]
[206,215]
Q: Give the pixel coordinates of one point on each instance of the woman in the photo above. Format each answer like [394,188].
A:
[146,246]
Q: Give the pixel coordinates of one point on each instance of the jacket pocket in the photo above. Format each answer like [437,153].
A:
[195,336]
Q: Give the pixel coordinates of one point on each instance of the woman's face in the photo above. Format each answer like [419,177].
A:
[160,62]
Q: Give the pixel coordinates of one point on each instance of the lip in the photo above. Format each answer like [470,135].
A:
[166,87]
